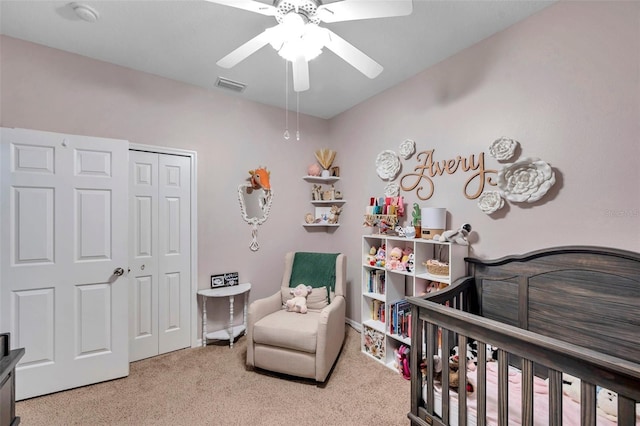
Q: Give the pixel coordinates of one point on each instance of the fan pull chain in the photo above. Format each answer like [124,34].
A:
[297,116]
[286,100]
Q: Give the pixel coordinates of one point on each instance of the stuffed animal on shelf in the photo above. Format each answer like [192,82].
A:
[299,301]
[395,255]
[406,255]
[459,236]
[371,257]
[380,256]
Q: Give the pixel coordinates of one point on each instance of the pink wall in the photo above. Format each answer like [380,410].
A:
[565,83]
[47,89]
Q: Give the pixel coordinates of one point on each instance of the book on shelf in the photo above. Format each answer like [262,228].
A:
[400,319]
[376,282]
[378,310]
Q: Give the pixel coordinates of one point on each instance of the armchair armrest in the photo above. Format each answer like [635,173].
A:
[330,336]
[259,309]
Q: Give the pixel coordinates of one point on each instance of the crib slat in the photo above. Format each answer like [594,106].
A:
[503,387]
[626,411]
[587,403]
[527,392]
[445,376]
[481,385]
[462,380]
[430,350]
[555,398]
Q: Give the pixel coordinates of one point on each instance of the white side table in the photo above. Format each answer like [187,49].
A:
[232,331]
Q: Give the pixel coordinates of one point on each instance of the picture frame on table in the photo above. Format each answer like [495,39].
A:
[217,280]
[231,278]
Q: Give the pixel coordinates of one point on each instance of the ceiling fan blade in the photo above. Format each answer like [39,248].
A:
[353,56]
[250,5]
[351,10]
[300,74]
[247,49]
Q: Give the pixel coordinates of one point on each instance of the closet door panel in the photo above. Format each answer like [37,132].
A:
[143,282]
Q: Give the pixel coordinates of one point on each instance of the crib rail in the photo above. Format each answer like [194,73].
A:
[430,318]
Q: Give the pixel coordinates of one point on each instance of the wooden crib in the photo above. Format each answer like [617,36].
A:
[553,313]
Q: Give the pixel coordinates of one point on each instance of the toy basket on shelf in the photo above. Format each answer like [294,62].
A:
[436,267]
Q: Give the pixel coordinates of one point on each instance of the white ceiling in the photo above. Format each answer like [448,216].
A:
[182,40]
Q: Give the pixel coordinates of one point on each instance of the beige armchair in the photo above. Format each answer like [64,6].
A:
[303,345]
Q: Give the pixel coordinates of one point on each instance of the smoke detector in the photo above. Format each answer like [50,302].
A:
[84,12]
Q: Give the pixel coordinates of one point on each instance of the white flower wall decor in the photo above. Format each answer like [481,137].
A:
[392,190]
[407,148]
[387,165]
[526,181]
[490,202]
[503,149]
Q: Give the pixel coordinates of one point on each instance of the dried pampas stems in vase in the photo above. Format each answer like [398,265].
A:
[325,157]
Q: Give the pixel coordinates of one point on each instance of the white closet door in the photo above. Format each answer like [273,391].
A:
[64,249]
[160,278]
[143,246]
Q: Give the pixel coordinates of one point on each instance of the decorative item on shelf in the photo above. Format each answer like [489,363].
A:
[308,218]
[316,193]
[416,220]
[371,257]
[434,221]
[503,148]
[526,181]
[325,157]
[385,222]
[322,215]
[314,169]
[436,267]
[387,165]
[381,256]
[338,195]
[329,194]
[408,232]
[334,214]
[434,286]
[395,260]
[458,236]
[407,259]
[335,171]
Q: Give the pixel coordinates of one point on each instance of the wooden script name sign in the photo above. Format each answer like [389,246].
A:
[428,168]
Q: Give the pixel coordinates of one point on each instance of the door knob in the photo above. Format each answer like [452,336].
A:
[118,271]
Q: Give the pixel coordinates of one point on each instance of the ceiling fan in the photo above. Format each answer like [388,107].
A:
[298,37]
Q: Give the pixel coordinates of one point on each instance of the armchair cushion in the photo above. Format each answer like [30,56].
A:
[287,330]
[314,269]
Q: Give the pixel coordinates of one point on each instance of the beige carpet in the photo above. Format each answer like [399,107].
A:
[210,386]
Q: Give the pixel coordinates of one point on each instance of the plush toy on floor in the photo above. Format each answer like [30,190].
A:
[299,301]
[458,236]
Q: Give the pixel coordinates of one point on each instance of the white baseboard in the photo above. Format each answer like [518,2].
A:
[356,325]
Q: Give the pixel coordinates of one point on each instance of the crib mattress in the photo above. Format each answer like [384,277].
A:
[571,408]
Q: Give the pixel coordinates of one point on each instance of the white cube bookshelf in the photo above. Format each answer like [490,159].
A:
[379,341]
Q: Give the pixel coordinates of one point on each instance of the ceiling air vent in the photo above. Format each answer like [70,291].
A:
[225,83]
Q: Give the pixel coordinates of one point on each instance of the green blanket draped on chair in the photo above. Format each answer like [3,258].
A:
[314,269]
